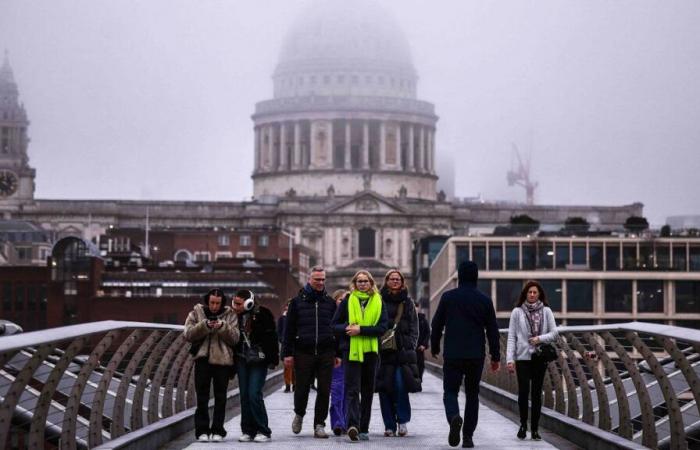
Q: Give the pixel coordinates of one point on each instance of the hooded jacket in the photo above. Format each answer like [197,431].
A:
[467,317]
[215,344]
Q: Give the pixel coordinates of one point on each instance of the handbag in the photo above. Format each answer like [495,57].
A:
[388,340]
[545,351]
[251,353]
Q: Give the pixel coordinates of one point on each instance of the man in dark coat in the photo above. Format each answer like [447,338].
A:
[310,347]
[464,313]
[423,341]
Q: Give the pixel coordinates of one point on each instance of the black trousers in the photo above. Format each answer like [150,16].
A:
[454,371]
[420,359]
[530,380]
[308,366]
[359,391]
[205,375]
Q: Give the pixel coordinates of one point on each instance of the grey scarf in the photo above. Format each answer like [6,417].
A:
[534,314]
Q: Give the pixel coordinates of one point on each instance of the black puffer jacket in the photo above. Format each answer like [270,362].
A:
[308,328]
[406,341]
[262,332]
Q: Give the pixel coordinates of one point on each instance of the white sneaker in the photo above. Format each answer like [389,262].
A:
[216,438]
[245,438]
[261,438]
[403,430]
[203,438]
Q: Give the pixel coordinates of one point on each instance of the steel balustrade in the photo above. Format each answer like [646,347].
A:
[638,380]
[78,386]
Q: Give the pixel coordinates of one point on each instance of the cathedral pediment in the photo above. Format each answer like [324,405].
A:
[367,202]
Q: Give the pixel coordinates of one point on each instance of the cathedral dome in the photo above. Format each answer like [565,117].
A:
[345,47]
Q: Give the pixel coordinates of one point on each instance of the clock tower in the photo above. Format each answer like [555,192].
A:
[16,176]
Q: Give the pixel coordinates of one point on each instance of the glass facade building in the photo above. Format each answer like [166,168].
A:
[588,280]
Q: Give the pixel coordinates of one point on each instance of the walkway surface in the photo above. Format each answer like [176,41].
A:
[428,427]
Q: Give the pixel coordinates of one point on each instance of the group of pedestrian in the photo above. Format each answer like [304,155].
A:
[360,341]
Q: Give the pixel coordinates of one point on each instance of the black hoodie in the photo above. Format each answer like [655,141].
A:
[466,315]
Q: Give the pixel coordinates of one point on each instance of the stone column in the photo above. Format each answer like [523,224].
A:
[399,156]
[348,145]
[256,162]
[411,149]
[297,146]
[382,144]
[365,145]
[284,156]
[274,156]
[421,150]
[431,155]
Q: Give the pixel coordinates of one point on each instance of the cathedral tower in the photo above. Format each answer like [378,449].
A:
[16,176]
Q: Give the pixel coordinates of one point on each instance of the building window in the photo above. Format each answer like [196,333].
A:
[182,256]
[562,255]
[694,260]
[595,256]
[223,255]
[528,256]
[20,294]
[545,255]
[264,240]
[663,256]
[612,256]
[224,240]
[618,296]
[688,297]
[650,296]
[202,256]
[512,257]
[70,288]
[462,252]
[479,255]
[629,256]
[484,285]
[367,243]
[552,289]
[24,253]
[578,255]
[579,295]
[679,257]
[244,240]
[495,256]
[507,292]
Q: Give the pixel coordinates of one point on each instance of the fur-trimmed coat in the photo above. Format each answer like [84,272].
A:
[215,344]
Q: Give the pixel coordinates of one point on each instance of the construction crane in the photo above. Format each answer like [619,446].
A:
[521,176]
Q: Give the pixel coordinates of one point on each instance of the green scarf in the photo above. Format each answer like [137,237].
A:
[359,345]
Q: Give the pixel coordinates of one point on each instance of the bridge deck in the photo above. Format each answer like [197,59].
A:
[428,427]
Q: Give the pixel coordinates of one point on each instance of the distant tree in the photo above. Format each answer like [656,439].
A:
[576,225]
[665,231]
[693,232]
[636,224]
[524,224]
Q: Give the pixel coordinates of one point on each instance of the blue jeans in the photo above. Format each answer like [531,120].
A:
[251,380]
[454,371]
[395,405]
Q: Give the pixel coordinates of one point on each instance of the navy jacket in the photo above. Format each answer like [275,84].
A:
[308,325]
[465,313]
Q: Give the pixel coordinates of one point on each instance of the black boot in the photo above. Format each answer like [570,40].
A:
[455,430]
[287,388]
[536,436]
[522,432]
[467,442]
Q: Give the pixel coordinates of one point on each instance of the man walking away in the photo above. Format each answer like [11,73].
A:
[310,347]
[464,313]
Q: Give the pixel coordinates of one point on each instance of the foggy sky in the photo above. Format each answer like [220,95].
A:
[152,100]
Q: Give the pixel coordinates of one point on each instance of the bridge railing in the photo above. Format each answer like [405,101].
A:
[81,385]
[637,380]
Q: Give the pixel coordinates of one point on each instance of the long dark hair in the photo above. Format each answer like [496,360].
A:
[523,294]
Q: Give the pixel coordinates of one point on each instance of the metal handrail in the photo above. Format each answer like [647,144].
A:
[48,394]
[638,380]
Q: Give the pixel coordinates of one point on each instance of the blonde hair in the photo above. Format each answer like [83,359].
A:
[339,294]
[353,285]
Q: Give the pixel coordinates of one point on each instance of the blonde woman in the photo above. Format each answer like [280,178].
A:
[359,322]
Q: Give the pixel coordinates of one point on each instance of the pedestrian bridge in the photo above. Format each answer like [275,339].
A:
[130,385]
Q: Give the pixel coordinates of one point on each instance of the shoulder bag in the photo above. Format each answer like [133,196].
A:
[388,340]
[545,351]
